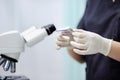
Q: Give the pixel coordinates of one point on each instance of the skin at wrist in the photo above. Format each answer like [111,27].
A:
[115,51]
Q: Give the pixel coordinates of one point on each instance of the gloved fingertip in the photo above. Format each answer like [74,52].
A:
[80,52]
[71,42]
[58,47]
[78,30]
[75,29]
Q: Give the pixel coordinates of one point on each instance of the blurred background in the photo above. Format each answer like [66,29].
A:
[43,61]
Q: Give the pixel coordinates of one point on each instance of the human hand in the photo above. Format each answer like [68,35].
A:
[64,37]
[87,43]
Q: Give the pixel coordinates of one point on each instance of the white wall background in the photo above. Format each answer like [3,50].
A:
[74,10]
[42,61]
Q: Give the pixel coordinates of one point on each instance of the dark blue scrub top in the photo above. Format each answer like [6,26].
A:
[102,17]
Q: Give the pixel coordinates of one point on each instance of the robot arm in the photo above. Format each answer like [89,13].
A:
[12,43]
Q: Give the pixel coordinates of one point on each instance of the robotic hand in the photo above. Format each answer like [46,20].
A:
[12,43]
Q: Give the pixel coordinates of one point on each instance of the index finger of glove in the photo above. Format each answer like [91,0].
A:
[62,37]
[79,34]
[78,30]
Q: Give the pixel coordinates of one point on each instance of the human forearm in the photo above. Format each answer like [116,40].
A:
[115,51]
[77,57]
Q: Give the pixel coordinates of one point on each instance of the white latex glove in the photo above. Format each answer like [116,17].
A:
[87,43]
[64,37]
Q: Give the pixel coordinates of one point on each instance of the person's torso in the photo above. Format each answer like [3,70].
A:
[102,17]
